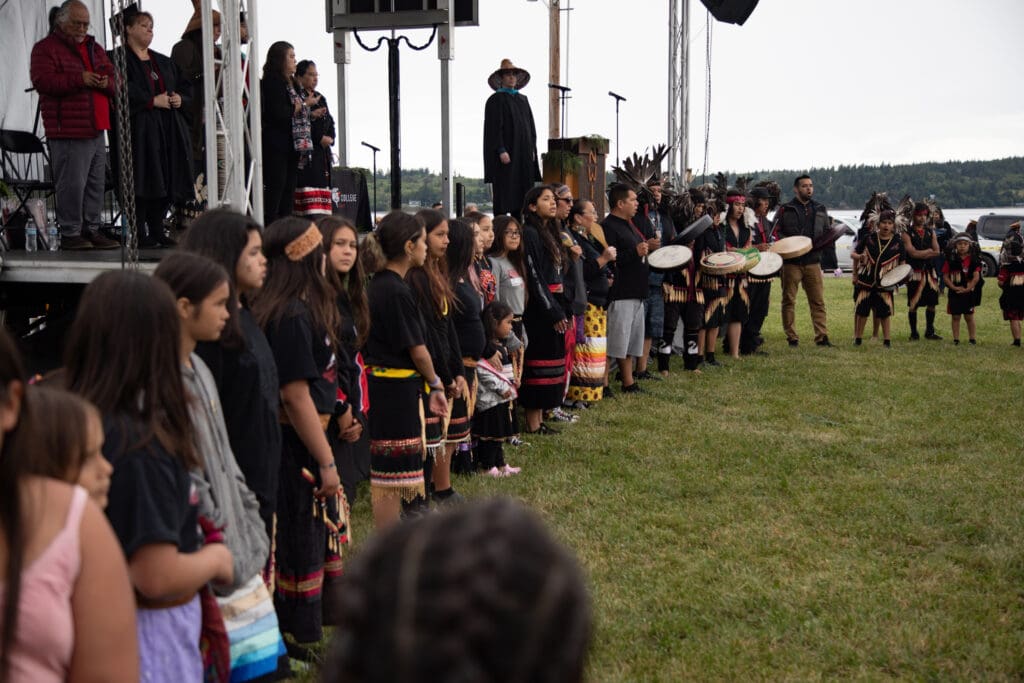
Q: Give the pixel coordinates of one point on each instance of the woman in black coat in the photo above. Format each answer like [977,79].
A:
[280,104]
[158,96]
[317,172]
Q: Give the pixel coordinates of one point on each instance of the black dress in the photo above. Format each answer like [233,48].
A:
[160,142]
[397,448]
[544,377]
[302,353]
[280,160]
[352,459]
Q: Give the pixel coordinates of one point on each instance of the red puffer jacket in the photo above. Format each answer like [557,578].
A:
[64,99]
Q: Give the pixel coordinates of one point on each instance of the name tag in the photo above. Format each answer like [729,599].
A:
[515,281]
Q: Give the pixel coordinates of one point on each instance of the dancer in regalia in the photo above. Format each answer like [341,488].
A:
[877,254]
[1011,280]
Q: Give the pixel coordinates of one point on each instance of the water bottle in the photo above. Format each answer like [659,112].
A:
[52,236]
[31,235]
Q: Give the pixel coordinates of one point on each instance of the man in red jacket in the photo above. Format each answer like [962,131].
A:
[75,81]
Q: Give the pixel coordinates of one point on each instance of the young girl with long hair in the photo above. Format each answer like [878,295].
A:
[492,421]
[345,272]
[481,263]
[469,331]
[66,606]
[153,501]
[226,505]
[241,361]
[545,315]
[738,235]
[298,313]
[66,440]
[435,298]
[507,259]
[399,369]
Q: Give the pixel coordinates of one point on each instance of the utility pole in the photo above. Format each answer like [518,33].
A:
[555,57]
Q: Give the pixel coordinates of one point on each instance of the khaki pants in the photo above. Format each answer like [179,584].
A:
[810,276]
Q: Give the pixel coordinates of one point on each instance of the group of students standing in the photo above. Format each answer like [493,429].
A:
[881,248]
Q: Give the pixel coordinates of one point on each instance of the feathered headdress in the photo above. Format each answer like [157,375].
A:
[905,213]
[873,208]
[637,172]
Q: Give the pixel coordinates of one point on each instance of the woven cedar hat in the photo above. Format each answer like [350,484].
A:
[522,75]
[197,18]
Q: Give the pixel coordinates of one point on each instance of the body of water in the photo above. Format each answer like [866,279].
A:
[957,217]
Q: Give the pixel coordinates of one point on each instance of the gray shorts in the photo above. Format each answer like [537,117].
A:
[626,328]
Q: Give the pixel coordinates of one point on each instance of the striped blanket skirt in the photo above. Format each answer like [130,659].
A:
[257,650]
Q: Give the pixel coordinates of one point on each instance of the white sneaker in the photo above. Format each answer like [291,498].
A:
[509,470]
[494,472]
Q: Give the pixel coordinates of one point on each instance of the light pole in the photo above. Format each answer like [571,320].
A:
[618,98]
[373,220]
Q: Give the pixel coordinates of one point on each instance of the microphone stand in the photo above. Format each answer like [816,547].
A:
[618,98]
[373,220]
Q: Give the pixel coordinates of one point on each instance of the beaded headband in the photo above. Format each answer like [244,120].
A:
[304,245]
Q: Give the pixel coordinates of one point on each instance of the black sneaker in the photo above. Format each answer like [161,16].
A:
[972,342]
[75,243]
[646,374]
[608,393]
[823,342]
[914,336]
[887,343]
[448,497]
[633,388]
[932,336]
[794,342]
[543,429]
[857,341]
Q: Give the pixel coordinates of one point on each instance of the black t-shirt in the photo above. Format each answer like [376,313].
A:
[469,328]
[152,499]
[303,352]
[630,268]
[248,387]
[395,322]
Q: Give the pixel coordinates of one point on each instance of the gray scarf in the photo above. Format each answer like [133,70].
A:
[224,497]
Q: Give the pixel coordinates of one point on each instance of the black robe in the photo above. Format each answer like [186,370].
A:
[509,127]
[161,149]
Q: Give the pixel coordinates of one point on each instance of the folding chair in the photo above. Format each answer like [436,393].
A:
[25,167]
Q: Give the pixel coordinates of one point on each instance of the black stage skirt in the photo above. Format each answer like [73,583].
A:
[923,289]
[544,367]
[738,308]
[308,554]
[494,424]
[397,447]
[462,409]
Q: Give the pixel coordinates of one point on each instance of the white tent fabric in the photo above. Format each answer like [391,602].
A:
[22,24]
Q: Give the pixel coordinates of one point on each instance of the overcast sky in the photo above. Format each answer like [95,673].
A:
[803,83]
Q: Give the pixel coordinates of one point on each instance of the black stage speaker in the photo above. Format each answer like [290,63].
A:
[730,11]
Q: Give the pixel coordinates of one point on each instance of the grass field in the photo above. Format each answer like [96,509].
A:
[841,513]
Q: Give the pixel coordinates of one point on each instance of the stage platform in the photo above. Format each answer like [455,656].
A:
[69,267]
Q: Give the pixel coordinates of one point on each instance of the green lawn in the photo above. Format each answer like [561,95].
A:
[841,513]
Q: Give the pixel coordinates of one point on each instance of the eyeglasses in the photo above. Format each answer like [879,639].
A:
[567,200]
[513,233]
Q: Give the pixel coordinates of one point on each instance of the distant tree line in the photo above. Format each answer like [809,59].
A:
[954,184]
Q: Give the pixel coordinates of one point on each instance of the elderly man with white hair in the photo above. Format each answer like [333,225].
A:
[75,81]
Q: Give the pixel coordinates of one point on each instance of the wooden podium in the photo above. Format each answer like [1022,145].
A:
[580,164]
